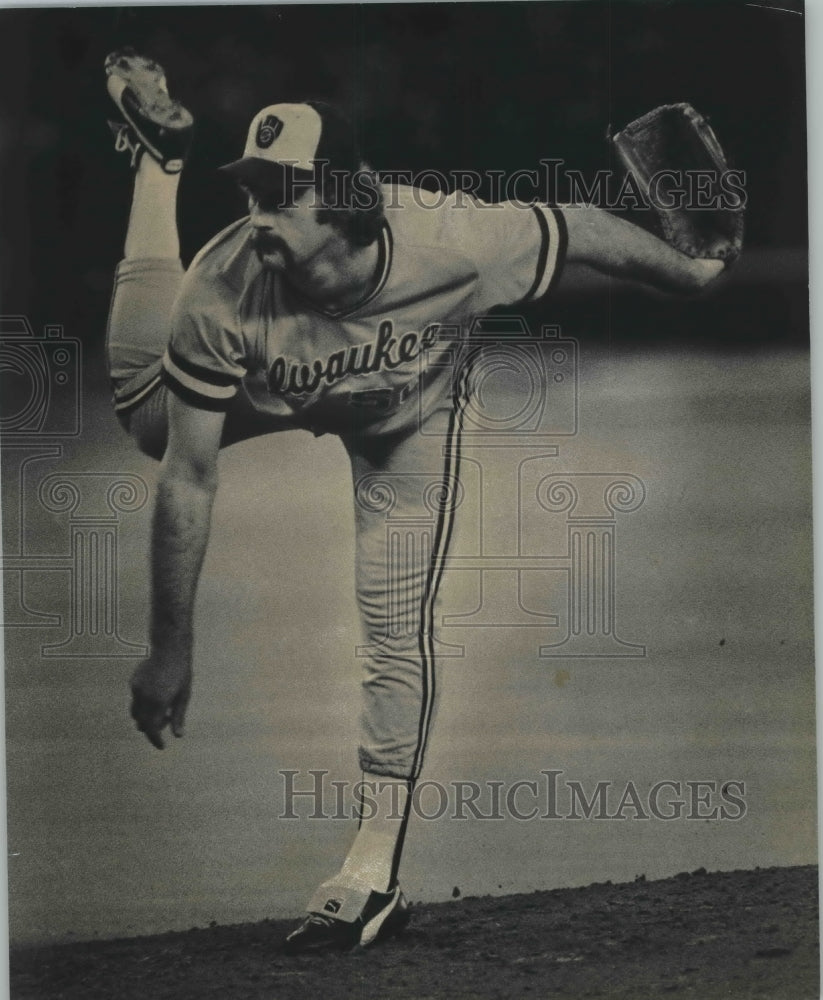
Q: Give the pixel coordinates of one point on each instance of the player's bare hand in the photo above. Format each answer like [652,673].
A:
[160,692]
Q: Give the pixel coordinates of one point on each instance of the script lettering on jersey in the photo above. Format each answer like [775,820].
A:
[385,353]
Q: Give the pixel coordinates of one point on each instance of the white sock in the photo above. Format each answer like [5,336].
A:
[152,229]
[373,854]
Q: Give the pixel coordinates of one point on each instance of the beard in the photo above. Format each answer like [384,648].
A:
[272,252]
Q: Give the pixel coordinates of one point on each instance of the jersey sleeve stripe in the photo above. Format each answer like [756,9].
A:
[200,372]
[176,376]
[543,255]
[553,250]
[193,397]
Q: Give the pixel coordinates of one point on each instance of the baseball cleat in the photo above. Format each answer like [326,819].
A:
[342,918]
[125,141]
[160,125]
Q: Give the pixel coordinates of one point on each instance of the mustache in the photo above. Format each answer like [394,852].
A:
[261,241]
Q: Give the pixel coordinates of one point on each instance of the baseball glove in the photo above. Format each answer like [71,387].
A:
[674,155]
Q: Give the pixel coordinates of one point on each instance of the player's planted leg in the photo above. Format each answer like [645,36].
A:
[397,593]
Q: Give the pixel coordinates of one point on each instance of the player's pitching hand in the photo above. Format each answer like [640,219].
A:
[160,693]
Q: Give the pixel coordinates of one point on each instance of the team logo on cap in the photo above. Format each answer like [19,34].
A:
[268,130]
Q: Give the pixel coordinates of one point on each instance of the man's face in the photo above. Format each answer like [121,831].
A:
[286,237]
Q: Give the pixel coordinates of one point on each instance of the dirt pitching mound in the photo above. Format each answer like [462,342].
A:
[742,934]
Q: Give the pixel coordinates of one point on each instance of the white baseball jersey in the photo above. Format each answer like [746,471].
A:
[379,365]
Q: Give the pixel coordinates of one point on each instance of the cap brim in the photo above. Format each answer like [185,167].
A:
[257,172]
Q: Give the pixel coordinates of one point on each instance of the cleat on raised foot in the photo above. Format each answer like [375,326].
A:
[159,124]
[125,141]
[341,919]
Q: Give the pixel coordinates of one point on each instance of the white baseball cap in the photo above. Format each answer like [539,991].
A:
[294,140]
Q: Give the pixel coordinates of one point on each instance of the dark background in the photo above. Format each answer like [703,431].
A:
[446,86]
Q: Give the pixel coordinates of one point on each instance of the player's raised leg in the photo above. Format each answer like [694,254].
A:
[155,135]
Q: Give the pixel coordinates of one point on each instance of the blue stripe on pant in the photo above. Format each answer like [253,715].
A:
[406,491]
